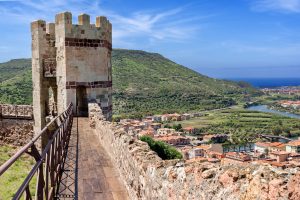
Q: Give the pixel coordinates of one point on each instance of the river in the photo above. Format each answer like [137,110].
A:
[264,108]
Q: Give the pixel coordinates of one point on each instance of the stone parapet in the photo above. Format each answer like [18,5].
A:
[16,111]
[147,176]
[15,132]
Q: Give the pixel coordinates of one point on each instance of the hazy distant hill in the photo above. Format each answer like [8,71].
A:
[143,83]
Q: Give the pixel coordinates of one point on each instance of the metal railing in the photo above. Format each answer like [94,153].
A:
[49,161]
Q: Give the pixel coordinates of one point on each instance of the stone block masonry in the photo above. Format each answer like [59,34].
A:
[15,132]
[8,111]
[74,61]
[147,177]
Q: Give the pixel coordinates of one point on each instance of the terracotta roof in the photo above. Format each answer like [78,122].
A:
[281,146]
[237,155]
[280,153]
[215,153]
[277,164]
[205,147]
[294,143]
[188,128]
[268,144]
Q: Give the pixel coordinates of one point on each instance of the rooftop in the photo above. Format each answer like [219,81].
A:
[294,143]
[268,144]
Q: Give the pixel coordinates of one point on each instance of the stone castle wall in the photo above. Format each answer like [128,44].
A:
[9,111]
[148,177]
[15,131]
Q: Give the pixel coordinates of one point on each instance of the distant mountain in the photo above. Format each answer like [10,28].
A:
[143,83]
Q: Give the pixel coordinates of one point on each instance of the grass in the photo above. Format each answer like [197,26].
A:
[12,179]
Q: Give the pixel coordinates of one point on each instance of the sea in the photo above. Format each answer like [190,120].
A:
[269,82]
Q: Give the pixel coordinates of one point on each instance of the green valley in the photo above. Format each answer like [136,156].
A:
[143,83]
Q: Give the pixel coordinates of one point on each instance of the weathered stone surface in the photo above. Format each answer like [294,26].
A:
[15,132]
[9,111]
[146,176]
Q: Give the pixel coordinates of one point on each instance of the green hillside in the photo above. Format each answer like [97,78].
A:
[143,83]
[10,69]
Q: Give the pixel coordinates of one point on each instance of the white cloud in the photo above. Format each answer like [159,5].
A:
[287,6]
[175,24]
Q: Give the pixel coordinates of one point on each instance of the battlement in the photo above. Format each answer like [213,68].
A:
[84,29]
[102,29]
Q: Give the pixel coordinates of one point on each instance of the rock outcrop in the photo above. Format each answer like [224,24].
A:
[147,176]
[15,131]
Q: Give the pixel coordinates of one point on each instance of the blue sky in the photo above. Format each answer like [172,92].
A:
[220,38]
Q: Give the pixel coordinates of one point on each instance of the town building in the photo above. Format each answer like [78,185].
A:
[239,156]
[166,131]
[174,140]
[293,146]
[265,147]
[189,130]
[279,156]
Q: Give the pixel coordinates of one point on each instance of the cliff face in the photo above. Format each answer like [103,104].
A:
[146,176]
[15,132]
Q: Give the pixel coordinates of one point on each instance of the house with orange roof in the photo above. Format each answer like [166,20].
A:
[174,140]
[148,132]
[279,156]
[265,147]
[189,130]
[208,151]
[239,156]
[280,147]
[293,146]
[175,117]
[214,154]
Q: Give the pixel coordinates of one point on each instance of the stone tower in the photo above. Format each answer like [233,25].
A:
[71,63]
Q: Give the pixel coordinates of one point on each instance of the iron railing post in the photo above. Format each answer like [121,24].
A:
[48,163]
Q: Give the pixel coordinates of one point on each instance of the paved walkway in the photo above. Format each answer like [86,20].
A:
[95,177]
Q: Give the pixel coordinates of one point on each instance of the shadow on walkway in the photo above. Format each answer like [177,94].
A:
[88,171]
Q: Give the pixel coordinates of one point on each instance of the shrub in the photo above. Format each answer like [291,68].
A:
[163,150]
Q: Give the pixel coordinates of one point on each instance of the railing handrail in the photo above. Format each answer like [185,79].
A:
[23,150]
[58,131]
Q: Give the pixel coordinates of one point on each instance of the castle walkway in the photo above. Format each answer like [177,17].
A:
[73,164]
[97,177]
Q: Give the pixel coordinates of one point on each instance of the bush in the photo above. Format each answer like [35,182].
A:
[163,150]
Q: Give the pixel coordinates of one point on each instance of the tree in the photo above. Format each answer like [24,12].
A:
[163,150]
[277,130]
[177,127]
